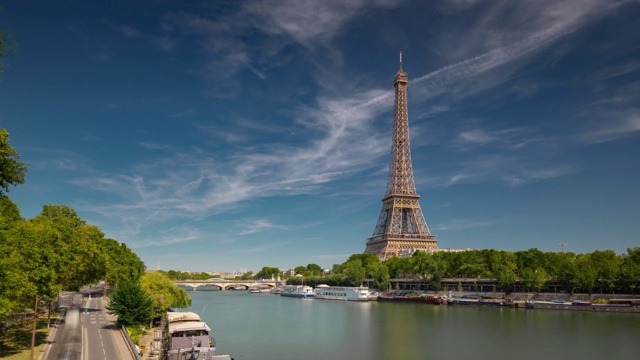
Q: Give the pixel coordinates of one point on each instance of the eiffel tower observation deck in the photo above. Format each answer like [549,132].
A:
[401,227]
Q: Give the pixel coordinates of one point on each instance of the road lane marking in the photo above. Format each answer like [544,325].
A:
[85,343]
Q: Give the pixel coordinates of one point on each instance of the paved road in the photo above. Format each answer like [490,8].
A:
[85,330]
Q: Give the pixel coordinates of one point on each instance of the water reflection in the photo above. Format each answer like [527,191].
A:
[265,326]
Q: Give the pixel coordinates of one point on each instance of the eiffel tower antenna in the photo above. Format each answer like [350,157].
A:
[401,227]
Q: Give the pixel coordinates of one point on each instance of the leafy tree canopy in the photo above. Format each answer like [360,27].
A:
[130,303]
[267,273]
[314,269]
[12,171]
[164,293]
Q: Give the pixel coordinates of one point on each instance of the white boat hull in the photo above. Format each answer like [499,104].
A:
[342,293]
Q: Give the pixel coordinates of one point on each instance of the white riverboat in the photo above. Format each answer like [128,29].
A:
[300,291]
[342,293]
[187,337]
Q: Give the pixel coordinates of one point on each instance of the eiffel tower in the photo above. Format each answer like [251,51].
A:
[401,227]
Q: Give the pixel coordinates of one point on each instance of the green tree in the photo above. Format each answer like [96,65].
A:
[587,275]
[354,272]
[33,263]
[314,269]
[527,278]
[300,270]
[630,269]
[12,171]
[503,267]
[608,265]
[380,276]
[267,273]
[533,259]
[399,267]
[9,213]
[79,259]
[164,293]
[122,264]
[567,271]
[439,268]
[473,265]
[131,304]
[16,286]
[421,264]
[540,279]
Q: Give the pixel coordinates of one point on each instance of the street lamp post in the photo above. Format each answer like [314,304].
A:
[35,322]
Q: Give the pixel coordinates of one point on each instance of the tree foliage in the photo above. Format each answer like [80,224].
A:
[12,171]
[164,293]
[185,275]
[55,251]
[531,270]
[267,273]
[131,304]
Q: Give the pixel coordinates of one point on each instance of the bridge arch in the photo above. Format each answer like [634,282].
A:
[226,284]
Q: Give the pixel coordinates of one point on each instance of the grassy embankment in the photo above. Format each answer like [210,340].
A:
[15,344]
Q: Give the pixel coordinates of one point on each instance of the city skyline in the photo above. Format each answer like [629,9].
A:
[214,137]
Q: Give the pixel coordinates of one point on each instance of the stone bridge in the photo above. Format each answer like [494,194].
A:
[227,284]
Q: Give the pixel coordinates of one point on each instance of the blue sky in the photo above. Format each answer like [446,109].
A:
[215,136]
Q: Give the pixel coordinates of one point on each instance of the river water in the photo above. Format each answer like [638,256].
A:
[266,326]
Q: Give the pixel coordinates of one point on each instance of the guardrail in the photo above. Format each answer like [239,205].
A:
[130,344]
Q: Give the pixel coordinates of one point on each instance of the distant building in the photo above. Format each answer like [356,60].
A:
[288,272]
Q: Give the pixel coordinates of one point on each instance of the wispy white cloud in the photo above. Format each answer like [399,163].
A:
[460,224]
[59,164]
[618,70]
[510,169]
[150,145]
[531,27]
[308,21]
[475,135]
[433,110]
[161,42]
[311,24]
[337,138]
[259,225]
[194,184]
[326,257]
[264,247]
[522,176]
[617,125]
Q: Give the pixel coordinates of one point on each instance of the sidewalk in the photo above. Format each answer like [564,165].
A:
[147,341]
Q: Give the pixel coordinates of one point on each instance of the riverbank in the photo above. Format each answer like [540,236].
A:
[549,301]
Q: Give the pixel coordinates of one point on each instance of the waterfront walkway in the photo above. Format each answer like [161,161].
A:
[146,342]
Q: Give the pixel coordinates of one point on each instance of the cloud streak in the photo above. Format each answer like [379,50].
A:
[336,136]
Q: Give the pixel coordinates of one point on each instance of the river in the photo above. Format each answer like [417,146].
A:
[265,326]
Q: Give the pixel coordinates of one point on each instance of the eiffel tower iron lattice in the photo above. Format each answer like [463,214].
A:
[401,226]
